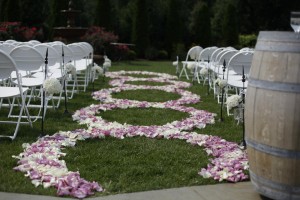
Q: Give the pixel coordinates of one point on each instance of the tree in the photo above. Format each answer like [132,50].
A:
[157,23]
[140,27]
[229,26]
[103,14]
[56,15]
[200,28]
[175,25]
[12,11]
[34,13]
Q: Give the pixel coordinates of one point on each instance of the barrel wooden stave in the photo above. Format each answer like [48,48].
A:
[272,116]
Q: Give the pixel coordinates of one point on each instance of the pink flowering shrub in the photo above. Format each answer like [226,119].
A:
[102,40]
[99,38]
[15,30]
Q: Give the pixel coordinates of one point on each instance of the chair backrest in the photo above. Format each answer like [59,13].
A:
[34,42]
[206,53]
[27,58]
[242,59]
[193,53]
[68,54]
[225,55]
[53,56]
[7,65]
[10,41]
[78,51]
[215,54]
[89,46]
[7,47]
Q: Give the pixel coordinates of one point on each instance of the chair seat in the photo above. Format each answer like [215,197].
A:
[53,73]
[31,82]
[10,91]
[81,65]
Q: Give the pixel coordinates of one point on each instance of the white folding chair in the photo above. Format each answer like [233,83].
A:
[7,66]
[67,57]
[192,54]
[54,69]
[223,57]
[203,59]
[29,59]
[239,65]
[81,64]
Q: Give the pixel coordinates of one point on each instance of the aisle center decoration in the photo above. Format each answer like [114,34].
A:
[42,160]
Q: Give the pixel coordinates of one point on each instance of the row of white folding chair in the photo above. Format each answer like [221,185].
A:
[82,51]
[27,55]
[68,57]
[12,93]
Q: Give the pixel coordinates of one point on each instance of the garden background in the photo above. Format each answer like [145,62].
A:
[160,29]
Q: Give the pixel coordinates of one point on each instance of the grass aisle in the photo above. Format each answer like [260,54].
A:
[131,164]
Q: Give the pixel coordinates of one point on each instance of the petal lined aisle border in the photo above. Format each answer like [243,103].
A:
[122,82]
[42,160]
[122,74]
[105,95]
[197,119]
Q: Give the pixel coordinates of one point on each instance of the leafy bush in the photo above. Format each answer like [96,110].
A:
[105,43]
[151,53]
[247,40]
[162,55]
[131,55]
[100,39]
[178,50]
[15,30]
[118,51]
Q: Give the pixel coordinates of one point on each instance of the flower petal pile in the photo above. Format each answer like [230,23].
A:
[42,160]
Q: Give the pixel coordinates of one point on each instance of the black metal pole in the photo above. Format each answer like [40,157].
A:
[243,100]
[43,94]
[65,87]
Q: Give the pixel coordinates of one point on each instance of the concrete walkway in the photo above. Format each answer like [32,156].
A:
[228,191]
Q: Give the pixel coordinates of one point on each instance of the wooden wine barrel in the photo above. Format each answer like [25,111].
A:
[272,116]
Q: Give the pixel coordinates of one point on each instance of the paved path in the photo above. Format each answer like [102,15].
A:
[228,191]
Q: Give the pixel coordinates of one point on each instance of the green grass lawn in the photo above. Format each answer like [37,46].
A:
[131,164]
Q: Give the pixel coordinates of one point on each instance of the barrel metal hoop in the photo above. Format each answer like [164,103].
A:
[276,46]
[274,186]
[277,86]
[273,150]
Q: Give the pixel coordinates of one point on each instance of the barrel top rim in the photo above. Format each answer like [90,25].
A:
[278,35]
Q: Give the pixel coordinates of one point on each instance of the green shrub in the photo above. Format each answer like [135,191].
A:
[178,50]
[131,55]
[247,40]
[162,55]
[151,53]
